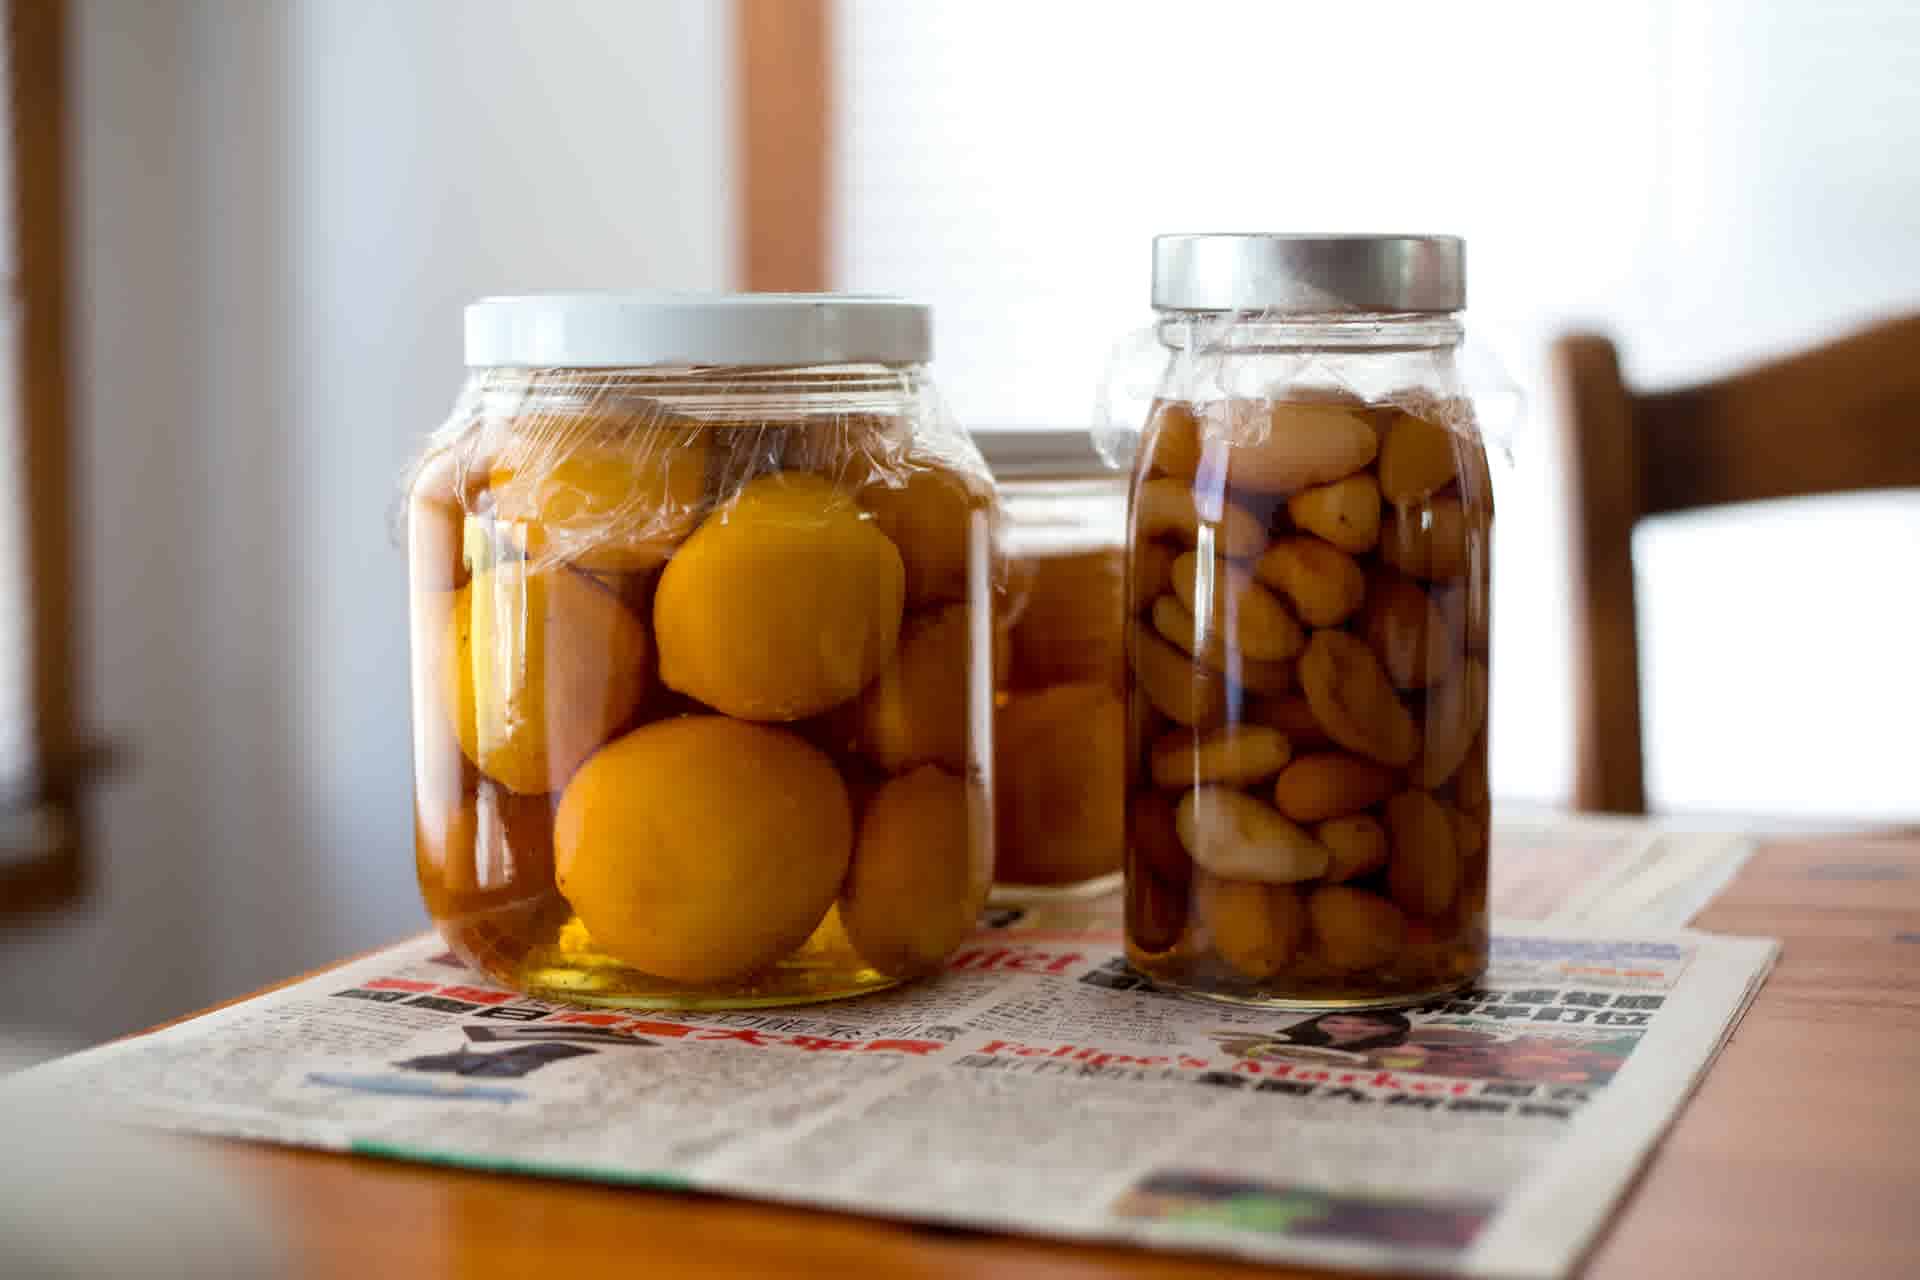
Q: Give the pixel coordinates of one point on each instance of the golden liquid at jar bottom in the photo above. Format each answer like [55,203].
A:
[1307,808]
[548,953]
[538,691]
[1060,727]
[487,880]
[489,885]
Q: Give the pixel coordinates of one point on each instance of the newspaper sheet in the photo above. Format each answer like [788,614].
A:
[1039,1086]
[1596,870]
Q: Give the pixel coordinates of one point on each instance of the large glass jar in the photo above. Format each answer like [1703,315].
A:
[1311,521]
[701,673]
[1060,719]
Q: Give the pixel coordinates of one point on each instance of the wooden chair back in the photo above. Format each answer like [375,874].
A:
[1842,417]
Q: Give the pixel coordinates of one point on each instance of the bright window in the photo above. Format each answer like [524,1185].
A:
[1706,182]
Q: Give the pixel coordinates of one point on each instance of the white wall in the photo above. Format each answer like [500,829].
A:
[280,210]
[1708,180]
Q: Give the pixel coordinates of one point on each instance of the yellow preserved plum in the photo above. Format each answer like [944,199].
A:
[915,712]
[932,518]
[1358,843]
[540,667]
[598,502]
[445,488]
[485,869]
[786,601]
[1413,639]
[917,883]
[1355,930]
[1456,712]
[1150,575]
[1431,540]
[1211,646]
[1319,580]
[1167,507]
[1182,691]
[1331,784]
[1070,629]
[1174,441]
[1289,713]
[1244,614]
[1353,700]
[1289,445]
[1061,785]
[1256,928]
[1346,513]
[1238,837]
[1238,754]
[1425,869]
[1417,458]
[1159,874]
[705,848]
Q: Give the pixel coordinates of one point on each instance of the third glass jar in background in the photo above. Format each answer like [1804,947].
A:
[1060,719]
[1311,521]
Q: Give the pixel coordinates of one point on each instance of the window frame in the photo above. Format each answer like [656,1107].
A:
[47,866]
[783,60]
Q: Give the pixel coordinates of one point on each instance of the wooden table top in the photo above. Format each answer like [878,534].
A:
[1799,1156]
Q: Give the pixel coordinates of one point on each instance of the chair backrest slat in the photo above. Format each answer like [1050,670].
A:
[1840,418]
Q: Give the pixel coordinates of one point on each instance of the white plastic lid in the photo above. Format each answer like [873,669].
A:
[614,330]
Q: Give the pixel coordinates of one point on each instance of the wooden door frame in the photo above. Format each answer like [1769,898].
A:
[49,868]
[783,77]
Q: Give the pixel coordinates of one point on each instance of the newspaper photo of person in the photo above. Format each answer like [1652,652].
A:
[1347,1036]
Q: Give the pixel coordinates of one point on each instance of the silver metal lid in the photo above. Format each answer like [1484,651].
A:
[1309,275]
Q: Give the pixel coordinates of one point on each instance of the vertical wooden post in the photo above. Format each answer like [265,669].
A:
[36,31]
[783,70]
[1604,499]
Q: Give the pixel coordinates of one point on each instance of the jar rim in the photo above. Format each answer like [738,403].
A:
[1200,332]
[712,395]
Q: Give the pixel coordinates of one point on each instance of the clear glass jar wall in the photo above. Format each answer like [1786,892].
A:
[1060,722]
[1311,521]
[702,690]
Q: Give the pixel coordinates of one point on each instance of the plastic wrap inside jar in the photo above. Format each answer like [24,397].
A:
[1061,720]
[701,653]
